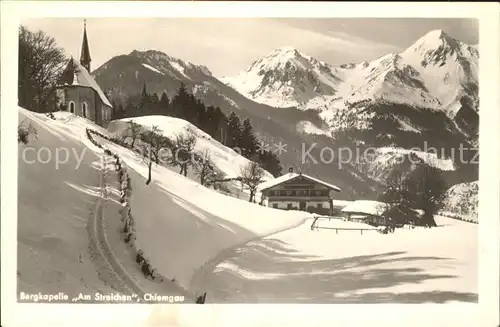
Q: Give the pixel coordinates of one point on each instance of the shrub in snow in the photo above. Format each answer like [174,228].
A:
[24,131]
[146,270]
[139,257]
[126,227]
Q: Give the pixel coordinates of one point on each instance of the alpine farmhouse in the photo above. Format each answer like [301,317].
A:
[294,191]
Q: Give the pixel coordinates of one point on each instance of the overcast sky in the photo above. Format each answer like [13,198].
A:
[227,46]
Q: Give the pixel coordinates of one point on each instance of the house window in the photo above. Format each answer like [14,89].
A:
[289,206]
[275,205]
[72,107]
[320,205]
[289,193]
[84,110]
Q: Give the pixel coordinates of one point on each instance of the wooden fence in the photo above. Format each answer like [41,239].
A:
[316,227]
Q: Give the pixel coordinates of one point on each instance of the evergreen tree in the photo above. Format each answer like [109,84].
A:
[208,124]
[165,104]
[270,162]
[120,111]
[131,107]
[154,102]
[234,131]
[201,112]
[144,102]
[180,102]
[248,140]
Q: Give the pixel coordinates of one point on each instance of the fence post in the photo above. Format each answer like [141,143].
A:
[336,231]
[361,231]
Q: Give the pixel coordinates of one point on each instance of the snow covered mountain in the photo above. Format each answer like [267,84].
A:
[435,72]
[426,94]
[127,74]
[287,78]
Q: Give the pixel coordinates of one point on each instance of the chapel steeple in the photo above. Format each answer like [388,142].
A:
[85,56]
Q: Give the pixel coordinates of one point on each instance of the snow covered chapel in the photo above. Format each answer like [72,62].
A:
[78,92]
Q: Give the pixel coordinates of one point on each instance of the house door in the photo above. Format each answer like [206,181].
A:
[302,205]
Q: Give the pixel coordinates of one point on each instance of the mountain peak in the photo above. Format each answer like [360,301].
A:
[285,52]
[436,34]
[285,49]
[436,39]
[278,58]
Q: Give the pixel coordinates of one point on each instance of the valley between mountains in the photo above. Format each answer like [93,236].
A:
[425,97]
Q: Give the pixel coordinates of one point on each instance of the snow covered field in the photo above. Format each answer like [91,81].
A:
[418,265]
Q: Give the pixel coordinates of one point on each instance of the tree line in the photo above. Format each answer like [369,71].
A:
[229,130]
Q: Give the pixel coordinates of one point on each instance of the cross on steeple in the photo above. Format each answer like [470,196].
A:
[85,54]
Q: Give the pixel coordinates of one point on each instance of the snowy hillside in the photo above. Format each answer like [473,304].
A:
[435,72]
[462,201]
[54,206]
[224,158]
[174,215]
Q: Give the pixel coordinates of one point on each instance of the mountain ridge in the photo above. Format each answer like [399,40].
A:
[404,124]
[415,75]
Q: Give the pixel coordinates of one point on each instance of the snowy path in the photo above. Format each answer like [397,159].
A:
[298,265]
[115,272]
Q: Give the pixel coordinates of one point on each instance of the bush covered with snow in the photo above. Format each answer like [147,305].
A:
[461,202]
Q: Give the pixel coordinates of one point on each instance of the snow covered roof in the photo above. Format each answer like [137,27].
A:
[369,207]
[290,176]
[77,75]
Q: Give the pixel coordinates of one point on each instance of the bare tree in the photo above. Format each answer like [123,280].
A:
[251,176]
[205,169]
[24,131]
[182,151]
[423,188]
[41,63]
[395,192]
[133,131]
[153,142]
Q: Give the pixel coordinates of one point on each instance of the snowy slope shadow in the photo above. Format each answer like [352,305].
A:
[178,236]
[267,271]
[54,206]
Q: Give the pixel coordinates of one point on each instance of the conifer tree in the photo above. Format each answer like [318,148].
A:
[164,104]
[234,131]
[248,140]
